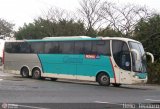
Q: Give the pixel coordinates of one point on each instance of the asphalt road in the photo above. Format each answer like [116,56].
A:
[30,93]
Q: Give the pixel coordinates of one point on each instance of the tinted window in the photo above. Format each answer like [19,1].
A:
[101,47]
[121,54]
[52,47]
[37,47]
[79,47]
[87,47]
[66,47]
[92,47]
[17,47]
[8,47]
[83,47]
[24,47]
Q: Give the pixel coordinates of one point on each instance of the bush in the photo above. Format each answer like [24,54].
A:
[154,73]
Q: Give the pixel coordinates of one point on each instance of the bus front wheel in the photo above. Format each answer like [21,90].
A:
[36,74]
[25,72]
[103,79]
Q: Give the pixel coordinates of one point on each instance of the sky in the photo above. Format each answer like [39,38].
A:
[19,12]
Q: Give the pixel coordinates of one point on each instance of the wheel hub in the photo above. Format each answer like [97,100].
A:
[104,79]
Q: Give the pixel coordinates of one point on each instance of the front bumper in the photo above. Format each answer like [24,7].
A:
[139,81]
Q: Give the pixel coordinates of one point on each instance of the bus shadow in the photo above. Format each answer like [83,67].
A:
[86,83]
[96,84]
[60,81]
[77,82]
[127,87]
[133,87]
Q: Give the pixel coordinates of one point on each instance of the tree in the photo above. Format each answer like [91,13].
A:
[108,32]
[70,28]
[33,30]
[123,19]
[41,28]
[6,28]
[147,31]
[90,14]
[55,14]
[46,26]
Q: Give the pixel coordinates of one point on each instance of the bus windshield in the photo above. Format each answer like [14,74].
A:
[140,65]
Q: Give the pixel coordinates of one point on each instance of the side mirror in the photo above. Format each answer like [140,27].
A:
[151,55]
[137,53]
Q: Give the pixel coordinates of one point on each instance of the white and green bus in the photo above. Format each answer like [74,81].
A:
[104,60]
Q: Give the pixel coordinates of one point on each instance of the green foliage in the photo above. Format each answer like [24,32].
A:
[31,31]
[154,73]
[147,31]
[109,32]
[5,28]
[69,28]
[44,28]
[91,32]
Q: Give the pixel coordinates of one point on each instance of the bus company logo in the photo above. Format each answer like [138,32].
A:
[91,56]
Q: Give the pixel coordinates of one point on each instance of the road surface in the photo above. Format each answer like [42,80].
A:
[38,93]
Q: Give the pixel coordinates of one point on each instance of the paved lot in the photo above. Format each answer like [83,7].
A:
[14,89]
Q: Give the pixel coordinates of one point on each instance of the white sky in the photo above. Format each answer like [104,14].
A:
[24,11]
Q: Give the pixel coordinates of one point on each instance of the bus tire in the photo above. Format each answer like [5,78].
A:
[54,79]
[24,72]
[103,79]
[36,74]
[116,85]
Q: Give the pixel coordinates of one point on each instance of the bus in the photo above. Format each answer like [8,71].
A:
[108,60]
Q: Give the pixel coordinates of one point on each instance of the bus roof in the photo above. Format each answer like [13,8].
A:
[64,39]
[120,38]
[79,38]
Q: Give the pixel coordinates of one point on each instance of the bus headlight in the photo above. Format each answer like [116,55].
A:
[136,77]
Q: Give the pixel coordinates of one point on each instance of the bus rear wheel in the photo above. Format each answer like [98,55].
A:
[36,74]
[25,72]
[103,79]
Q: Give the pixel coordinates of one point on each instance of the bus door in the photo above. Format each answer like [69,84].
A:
[121,56]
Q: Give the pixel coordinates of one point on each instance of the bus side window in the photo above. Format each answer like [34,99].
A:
[24,47]
[8,47]
[15,47]
[83,47]
[37,47]
[101,47]
[51,47]
[87,47]
[66,47]
[79,47]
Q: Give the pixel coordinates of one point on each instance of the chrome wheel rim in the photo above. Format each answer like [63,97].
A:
[104,79]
